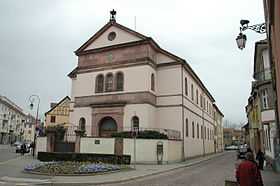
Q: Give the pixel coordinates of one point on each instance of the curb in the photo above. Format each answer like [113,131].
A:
[135,177]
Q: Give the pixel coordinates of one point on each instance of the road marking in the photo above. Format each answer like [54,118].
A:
[4,162]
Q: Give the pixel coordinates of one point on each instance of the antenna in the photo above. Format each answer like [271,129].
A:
[135,23]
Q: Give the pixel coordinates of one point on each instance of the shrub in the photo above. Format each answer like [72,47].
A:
[146,134]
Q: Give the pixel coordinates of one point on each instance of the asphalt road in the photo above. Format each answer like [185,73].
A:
[7,153]
[210,173]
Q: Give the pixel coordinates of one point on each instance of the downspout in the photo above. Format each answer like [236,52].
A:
[183,115]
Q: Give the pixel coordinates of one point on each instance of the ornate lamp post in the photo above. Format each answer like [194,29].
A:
[242,38]
[32,100]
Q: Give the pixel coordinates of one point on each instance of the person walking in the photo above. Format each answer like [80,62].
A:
[260,158]
[247,172]
[23,149]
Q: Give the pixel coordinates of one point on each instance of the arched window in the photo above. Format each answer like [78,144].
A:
[153,82]
[186,86]
[135,123]
[99,83]
[197,131]
[119,80]
[193,129]
[82,124]
[109,82]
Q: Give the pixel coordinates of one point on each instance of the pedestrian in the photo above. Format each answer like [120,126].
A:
[247,173]
[260,158]
[23,149]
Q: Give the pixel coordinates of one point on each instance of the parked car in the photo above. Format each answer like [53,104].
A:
[17,143]
[18,148]
[242,152]
[231,147]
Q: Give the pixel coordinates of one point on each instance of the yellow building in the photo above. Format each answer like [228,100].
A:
[59,113]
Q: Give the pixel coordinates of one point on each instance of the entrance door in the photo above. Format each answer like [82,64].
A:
[107,126]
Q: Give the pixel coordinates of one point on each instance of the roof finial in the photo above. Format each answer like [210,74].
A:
[113,15]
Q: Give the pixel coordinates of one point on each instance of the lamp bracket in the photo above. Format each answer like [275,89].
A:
[259,28]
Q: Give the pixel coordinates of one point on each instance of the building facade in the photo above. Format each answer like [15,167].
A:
[58,113]
[261,104]
[12,121]
[232,136]
[218,130]
[124,80]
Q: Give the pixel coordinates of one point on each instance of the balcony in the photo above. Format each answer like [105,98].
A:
[263,75]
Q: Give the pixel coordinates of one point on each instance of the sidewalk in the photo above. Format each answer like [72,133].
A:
[140,172]
[15,174]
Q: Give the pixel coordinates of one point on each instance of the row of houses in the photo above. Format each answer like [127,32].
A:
[15,124]
[262,130]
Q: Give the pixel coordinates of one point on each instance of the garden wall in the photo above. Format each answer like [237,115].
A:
[41,145]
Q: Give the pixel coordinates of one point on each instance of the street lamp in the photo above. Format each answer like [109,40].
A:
[32,100]
[241,38]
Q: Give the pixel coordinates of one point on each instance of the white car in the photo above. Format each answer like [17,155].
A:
[231,147]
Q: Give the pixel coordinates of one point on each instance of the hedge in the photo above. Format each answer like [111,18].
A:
[146,134]
[72,156]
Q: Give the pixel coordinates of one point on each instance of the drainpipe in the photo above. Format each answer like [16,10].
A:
[183,115]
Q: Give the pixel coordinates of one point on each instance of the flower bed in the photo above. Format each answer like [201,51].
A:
[71,168]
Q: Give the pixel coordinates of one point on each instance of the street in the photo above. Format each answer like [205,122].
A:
[209,173]
[213,172]
[7,153]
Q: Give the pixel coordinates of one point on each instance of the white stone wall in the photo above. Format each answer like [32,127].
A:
[106,145]
[145,112]
[79,112]
[41,145]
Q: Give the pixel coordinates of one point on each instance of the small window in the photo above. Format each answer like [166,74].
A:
[202,134]
[153,82]
[192,96]
[264,99]
[187,127]
[193,129]
[196,96]
[201,101]
[186,86]
[135,123]
[82,124]
[52,119]
[99,83]
[197,131]
[119,80]
[109,82]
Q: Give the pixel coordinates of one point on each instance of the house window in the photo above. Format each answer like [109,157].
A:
[202,133]
[119,80]
[109,82]
[193,129]
[186,86]
[192,92]
[196,96]
[135,123]
[264,99]
[82,124]
[99,83]
[153,82]
[187,127]
[52,119]
[201,101]
[197,131]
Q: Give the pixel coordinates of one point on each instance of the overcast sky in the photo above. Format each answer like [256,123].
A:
[37,40]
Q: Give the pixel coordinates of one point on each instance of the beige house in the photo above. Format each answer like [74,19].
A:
[125,79]
[218,133]
[59,113]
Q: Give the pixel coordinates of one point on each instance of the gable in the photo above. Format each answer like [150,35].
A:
[65,102]
[162,58]
[122,36]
